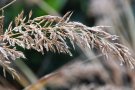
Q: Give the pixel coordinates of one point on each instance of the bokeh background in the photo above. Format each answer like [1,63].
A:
[119,14]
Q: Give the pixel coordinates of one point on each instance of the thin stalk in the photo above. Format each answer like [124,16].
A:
[7,5]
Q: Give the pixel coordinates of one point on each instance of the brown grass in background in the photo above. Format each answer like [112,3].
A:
[119,15]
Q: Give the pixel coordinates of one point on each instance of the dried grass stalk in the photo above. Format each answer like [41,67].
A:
[50,33]
[6,56]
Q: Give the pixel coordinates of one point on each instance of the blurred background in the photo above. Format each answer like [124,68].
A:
[119,14]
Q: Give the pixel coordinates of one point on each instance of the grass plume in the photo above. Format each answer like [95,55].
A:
[50,33]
